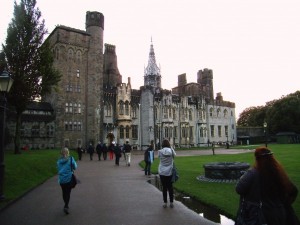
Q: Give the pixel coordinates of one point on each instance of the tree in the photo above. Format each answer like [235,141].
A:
[252,116]
[284,115]
[28,60]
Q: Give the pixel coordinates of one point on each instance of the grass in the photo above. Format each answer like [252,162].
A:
[222,195]
[27,170]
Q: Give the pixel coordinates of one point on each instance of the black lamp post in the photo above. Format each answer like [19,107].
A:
[5,84]
[265,131]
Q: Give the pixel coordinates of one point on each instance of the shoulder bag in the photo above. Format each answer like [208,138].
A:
[175,175]
[73,181]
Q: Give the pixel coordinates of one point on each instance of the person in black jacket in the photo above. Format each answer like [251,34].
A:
[118,153]
[99,150]
[268,183]
[91,150]
[148,158]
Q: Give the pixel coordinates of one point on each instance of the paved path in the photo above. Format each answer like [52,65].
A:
[107,195]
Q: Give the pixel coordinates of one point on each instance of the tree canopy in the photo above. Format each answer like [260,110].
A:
[281,115]
[28,59]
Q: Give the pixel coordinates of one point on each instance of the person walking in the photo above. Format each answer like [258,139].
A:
[166,156]
[99,149]
[104,150]
[148,158]
[127,150]
[79,152]
[91,151]
[268,183]
[65,166]
[118,154]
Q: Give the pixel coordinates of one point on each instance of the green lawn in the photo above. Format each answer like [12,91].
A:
[223,195]
[27,170]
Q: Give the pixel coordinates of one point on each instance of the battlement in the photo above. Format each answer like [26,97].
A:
[94,19]
[110,48]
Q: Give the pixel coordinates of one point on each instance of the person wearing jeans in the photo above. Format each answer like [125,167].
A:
[166,155]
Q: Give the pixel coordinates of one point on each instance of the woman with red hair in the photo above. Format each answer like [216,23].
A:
[268,183]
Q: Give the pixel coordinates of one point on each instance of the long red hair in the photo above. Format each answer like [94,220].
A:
[275,181]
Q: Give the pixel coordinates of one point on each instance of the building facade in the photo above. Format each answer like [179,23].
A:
[92,102]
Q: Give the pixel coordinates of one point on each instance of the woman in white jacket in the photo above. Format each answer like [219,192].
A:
[166,155]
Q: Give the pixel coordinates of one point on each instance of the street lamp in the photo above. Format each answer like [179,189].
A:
[5,84]
[265,131]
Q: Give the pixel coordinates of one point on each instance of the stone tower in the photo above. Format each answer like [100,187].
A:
[94,78]
[205,78]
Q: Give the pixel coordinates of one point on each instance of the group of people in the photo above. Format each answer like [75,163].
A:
[114,150]
[266,182]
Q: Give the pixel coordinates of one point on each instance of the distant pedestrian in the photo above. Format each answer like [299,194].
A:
[91,150]
[127,150]
[65,166]
[148,158]
[99,150]
[166,155]
[111,150]
[79,152]
[118,154]
[104,151]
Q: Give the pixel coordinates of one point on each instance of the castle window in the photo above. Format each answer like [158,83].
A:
[121,132]
[226,131]
[225,113]
[174,114]
[79,126]
[67,108]
[121,108]
[57,53]
[127,131]
[35,131]
[75,108]
[170,112]
[79,108]
[70,108]
[126,108]
[219,131]
[78,56]
[108,109]
[212,130]
[133,111]
[70,126]
[190,115]
[75,126]
[134,131]
[218,112]
[201,132]
[66,126]
[211,111]
[50,131]
[77,73]
[175,132]
[231,113]
[191,133]
[166,132]
[165,112]
[70,54]
[155,112]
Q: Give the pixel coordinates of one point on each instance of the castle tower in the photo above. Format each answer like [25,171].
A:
[205,78]
[112,76]
[152,76]
[94,78]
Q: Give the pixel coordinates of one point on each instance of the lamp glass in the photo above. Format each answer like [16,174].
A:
[5,81]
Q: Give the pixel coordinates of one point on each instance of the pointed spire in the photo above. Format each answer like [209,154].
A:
[152,75]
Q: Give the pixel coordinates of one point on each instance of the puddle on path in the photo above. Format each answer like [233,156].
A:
[201,209]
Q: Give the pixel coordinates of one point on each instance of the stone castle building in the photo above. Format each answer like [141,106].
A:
[93,102]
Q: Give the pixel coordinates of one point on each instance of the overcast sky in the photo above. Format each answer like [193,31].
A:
[252,46]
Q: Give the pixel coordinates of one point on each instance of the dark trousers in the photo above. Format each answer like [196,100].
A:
[91,156]
[148,168]
[104,155]
[99,155]
[79,155]
[66,192]
[167,185]
[117,159]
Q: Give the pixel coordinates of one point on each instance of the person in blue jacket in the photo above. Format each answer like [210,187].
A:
[65,166]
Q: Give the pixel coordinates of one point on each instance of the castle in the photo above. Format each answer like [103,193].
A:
[92,101]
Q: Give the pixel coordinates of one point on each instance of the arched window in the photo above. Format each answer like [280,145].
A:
[127,131]
[225,112]
[70,54]
[218,112]
[190,115]
[211,111]
[78,56]
[121,108]
[127,108]
[121,132]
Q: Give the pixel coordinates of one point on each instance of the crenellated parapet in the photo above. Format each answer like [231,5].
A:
[94,19]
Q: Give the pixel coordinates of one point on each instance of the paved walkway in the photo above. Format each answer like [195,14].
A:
[107,195]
